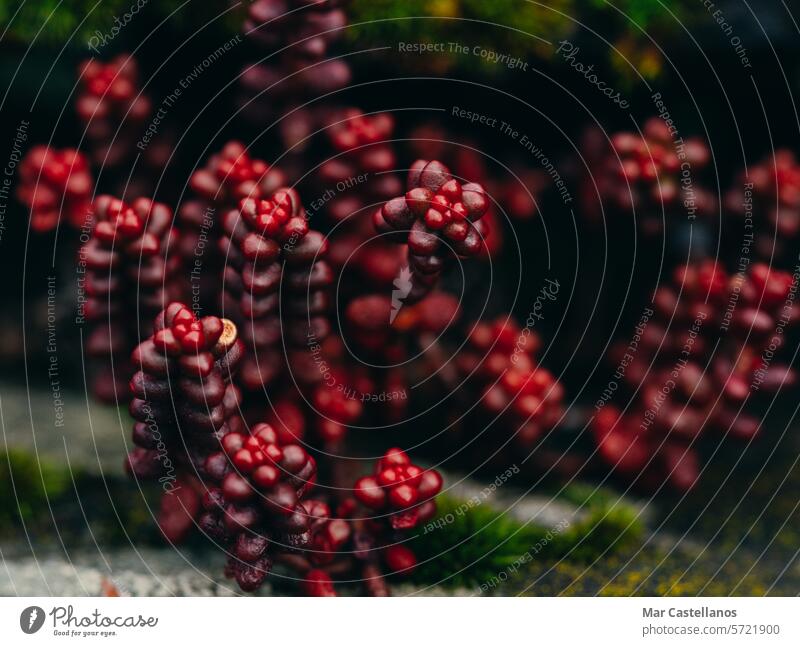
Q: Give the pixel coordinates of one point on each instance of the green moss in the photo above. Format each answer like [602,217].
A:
[32,483]
[468,546]
[44,495]
[606,530]
[584,494]
[465,546]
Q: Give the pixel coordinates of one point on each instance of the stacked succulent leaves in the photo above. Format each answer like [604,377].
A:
[706,357]
[244,419]
[295,36]
[275,281]
[501,358]
[131,267]
[55,183]
[439,217]
[112,107]
[653,175]
[228,176]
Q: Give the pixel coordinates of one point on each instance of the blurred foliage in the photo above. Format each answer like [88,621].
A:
[626,23]
[471,544]
[646,14]
[468,22]
[56,21]
[639,22]
[30,486]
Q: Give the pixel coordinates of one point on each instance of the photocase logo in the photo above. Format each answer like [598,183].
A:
[402,288]
[31,619]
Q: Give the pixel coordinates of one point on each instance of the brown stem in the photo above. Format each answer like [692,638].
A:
[374,581]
